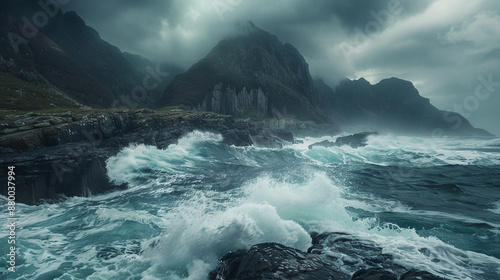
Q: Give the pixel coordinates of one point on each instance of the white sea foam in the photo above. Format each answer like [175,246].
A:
[204,229]
[407,151]
[182,236]
[496,208]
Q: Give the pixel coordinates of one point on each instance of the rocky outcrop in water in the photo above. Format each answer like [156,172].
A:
[59,155]
[332,256]
[275,261]
[355,141]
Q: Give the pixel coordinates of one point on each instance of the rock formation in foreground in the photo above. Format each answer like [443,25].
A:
[332,256]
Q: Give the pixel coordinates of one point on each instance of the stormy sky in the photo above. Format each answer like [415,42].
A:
[449,49]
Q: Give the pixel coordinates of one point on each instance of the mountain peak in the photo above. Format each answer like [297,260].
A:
[255,61]
[391,105]
[247,27]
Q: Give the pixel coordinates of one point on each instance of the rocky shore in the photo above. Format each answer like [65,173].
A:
[63,155]
[333,256]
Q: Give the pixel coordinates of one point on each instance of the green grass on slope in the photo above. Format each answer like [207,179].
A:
[19,95]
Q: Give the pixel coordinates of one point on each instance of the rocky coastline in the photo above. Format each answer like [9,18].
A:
[63,155]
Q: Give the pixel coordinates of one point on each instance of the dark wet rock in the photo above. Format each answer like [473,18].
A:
[324,143]
[282,134]
[333,256]
[272,138]
[237,137]
[374,274]
[352,253]
[228,266]
[416,274]
[356,140]
[275,261]
[265,141]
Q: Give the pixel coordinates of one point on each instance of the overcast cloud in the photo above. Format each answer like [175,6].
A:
[444,47]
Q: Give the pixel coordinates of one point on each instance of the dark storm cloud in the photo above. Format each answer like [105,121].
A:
[138,25]
[442,46]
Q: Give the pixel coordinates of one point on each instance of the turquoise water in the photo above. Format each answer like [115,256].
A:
[429,203]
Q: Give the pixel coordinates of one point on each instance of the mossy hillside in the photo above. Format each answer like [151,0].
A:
[19,95]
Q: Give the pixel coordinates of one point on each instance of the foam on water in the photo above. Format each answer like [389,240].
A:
[169,225]
[136,162]
[321,206]
[407,151]
[496,208]
[202,229]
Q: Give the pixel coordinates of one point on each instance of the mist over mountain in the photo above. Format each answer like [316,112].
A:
[392,105]
[254,74]
[243,166]
[251,74]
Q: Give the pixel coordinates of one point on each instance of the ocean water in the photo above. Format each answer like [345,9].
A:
[432,204]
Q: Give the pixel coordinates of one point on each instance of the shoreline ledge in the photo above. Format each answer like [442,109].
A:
[60,155]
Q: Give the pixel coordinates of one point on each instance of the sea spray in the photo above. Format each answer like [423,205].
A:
[427,203]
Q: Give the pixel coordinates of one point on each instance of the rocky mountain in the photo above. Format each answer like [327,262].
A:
[392,105]
[251,74]
[254,75]
[145,67]
[62,62]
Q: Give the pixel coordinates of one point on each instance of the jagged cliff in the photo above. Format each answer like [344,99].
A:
[225,99]
[252,73]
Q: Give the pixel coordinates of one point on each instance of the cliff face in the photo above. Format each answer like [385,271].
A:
[392,105]
[228,100]
[245,71]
